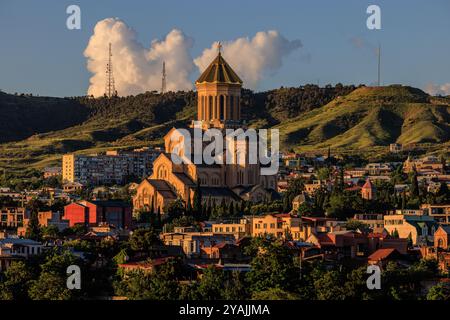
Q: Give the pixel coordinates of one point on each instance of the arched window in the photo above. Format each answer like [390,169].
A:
[231,98]
[221,107]
[210,106]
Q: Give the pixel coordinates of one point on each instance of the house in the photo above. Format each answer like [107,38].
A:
[72,187]
[13,249]
[193,243]
[440,212]
[419,228]
[374,221]
[383,241]
[12,217]
[52,172]
[368,190]
[382,256]
[442,238]
[423,165]
[339,244]
[238,229]
[299,200]
[92,213]
[395,148]
[278,225]
[50,218]
[311,188]
[223,251]
[147,266]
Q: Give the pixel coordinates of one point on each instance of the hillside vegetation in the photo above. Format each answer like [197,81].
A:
[36,131]
[371,116]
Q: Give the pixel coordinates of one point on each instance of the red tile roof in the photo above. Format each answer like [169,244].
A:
[367,185]
[381,254]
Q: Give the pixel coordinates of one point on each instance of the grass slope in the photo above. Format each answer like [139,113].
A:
[368,117]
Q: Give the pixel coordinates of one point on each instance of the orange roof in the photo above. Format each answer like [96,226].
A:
[381,254]
[367,185]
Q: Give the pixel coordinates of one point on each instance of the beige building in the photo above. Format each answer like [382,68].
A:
[280,226]
[193,242]
[238,229]
[440,212]
[419,228]
[219,90]
[423,165]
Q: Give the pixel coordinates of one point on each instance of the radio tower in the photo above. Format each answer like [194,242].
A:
[110,89]
[163,81]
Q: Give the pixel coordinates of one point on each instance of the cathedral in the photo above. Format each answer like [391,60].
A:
[218,107]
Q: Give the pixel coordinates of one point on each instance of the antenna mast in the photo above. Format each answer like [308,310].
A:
[163,81]
[110,88]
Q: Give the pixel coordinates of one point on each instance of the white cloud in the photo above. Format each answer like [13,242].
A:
[254,58]
[436,89]
[137,69]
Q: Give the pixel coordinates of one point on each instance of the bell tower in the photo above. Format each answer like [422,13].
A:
[219,95]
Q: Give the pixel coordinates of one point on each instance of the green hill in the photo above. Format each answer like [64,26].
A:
[371,116]
[36,131]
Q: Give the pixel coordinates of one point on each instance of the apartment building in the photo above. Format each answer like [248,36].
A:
[113,167]
[440,212]
[12,217]
[238,229]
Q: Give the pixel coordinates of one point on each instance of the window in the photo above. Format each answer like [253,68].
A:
[221,108]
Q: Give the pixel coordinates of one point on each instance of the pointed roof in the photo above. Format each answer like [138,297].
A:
[368,185]
[219,71]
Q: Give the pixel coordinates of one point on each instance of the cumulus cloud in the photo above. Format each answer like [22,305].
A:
[254,58]
[436,89]
[136,68]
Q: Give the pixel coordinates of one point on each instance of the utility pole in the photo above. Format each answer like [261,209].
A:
[110,88]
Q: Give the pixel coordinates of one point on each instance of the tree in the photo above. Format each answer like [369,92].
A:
[414,191]
[211,284]
[197,202]
[273,266]
[323,173]
[440,291]
[329,286]
[161,284]
[49,286]
[33,231]
[305,209]
[17,278]
[143,239]
[188,211]
[275,294]
[235,288]
[355,225]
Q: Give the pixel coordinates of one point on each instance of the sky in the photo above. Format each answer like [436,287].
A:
[40,55]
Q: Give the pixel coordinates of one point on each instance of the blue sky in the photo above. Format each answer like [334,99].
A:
[40,55]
